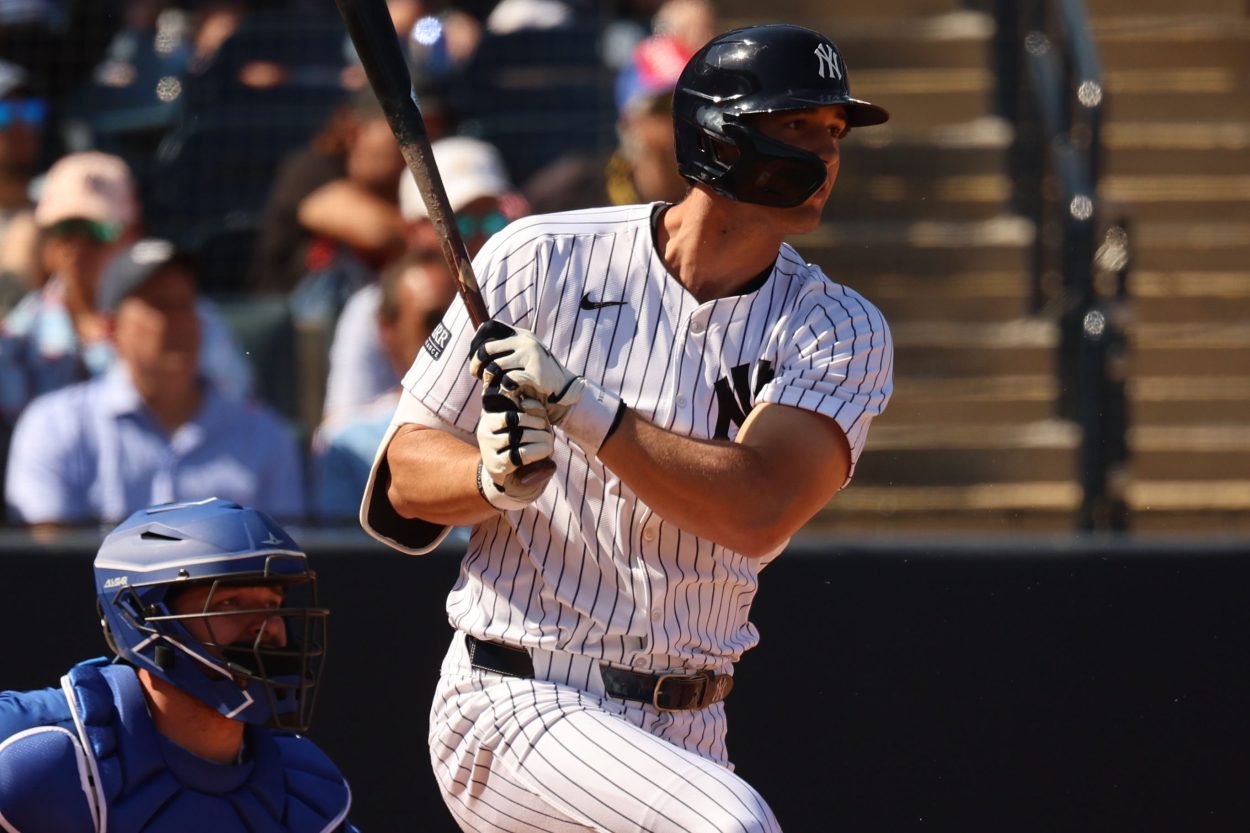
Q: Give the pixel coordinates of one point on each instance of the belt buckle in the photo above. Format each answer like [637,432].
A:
[702,678]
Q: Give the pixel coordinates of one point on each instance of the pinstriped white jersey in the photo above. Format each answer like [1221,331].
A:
[588,568]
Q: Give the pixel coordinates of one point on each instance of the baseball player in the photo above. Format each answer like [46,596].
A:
[702,391]
[201,603]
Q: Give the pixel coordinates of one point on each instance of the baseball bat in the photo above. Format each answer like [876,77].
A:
[377,44]
[373,34]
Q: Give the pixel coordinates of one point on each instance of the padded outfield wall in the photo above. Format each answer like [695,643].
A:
[996,685]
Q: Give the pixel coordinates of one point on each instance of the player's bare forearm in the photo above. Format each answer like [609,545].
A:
[749,495]
[434,477]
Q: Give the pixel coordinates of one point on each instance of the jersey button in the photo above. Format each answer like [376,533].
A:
[657,615]
[681,402]
[648,534]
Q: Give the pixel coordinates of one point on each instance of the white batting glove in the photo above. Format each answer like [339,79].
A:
[509,440]
[515,361]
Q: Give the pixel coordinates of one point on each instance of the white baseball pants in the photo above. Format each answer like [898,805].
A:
[553,754]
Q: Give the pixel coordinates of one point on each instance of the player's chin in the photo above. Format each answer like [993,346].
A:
[804,218]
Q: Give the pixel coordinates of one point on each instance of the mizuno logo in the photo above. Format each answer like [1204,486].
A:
[589,304]
[272,539]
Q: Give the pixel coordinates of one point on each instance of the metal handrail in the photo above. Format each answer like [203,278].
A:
[1056,101]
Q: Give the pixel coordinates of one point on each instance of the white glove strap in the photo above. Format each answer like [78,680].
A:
[495,496]
[590,421]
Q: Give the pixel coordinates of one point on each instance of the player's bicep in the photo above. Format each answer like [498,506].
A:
[804,453]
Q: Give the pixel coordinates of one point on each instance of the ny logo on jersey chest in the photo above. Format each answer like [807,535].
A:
[734,394]
[828,62]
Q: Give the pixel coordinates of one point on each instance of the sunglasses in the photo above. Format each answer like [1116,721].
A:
[80,228]
[486,225]
[28,111]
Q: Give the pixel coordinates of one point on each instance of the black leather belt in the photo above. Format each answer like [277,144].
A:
[667,692]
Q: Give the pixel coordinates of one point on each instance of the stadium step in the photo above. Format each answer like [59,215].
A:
[1198,149]
[1198,452]
[1176,297]
[964,455]
[1180,245]
[1216,94]
[1177,401]
[955,39]
[986,508]
[827,14]
[1163,10]
[848,249]
[919,223]
[1200,349]
[971,297]
[1174,41]
[978,400]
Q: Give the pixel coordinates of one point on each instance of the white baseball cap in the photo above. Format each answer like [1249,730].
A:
[470,169]
[88,186]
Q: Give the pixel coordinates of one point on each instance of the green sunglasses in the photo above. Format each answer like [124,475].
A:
[80,227]
[486,225]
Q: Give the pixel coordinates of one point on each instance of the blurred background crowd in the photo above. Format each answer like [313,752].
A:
[1059,246]
[214,266]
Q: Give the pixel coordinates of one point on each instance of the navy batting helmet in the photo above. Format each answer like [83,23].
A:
[759,69]
[157,552]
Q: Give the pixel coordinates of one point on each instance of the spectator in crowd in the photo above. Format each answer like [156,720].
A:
[336,195]
[22,117]
[692,22]
[357,215]
[152,429]
[87,211]
[410,297]
[482,197]
[196,724]
[643,168]
[510,16]
[439,36]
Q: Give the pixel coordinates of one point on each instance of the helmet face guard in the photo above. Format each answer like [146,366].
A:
[763,170]
[260,665]
[759,69]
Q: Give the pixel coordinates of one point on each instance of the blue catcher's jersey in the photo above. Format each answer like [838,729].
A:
[88,757]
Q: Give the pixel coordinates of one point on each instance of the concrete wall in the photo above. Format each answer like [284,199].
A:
[1013,685]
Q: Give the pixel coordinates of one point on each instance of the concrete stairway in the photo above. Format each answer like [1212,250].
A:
[917,224]
[1178,165]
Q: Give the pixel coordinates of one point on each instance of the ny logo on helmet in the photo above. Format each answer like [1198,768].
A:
[828,67]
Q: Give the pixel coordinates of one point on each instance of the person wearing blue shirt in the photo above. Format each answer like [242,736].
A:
[152,429]
[196,724]
[408,301]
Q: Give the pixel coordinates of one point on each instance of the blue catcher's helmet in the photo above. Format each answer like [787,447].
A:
[157,552]
[767,68]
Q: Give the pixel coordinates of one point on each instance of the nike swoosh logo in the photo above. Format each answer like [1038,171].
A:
[588,304]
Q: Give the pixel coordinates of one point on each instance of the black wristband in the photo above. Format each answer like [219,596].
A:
[616,421]
[478,481]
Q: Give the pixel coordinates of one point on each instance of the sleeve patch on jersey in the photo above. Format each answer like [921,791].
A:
[438,340]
